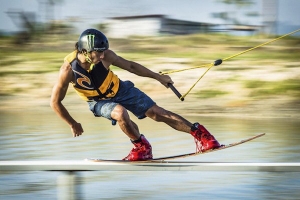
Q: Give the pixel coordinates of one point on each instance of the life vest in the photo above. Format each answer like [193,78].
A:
[97,83]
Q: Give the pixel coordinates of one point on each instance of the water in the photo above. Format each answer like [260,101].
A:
[41,135]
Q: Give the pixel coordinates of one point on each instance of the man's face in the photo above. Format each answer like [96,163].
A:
[97,56]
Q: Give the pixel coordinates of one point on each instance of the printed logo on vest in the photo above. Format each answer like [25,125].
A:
[83,79]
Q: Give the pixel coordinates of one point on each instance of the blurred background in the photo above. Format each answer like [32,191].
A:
[37,34]
[255,92]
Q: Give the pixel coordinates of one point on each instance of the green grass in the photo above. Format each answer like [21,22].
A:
[205,94]
[46,56]
[31,62]
[200,49]
[289,87]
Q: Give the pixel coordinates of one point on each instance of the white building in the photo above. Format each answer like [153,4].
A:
[152,25]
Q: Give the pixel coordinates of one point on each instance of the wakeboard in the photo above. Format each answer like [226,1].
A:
[162,159]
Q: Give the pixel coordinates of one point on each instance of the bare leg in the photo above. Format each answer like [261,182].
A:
[120,114]
[175,121]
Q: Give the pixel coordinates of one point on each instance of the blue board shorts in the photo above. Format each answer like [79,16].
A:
[127,96]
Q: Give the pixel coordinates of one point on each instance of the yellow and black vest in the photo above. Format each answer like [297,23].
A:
[97,83]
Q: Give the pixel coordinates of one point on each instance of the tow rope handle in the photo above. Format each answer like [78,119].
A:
[176,91]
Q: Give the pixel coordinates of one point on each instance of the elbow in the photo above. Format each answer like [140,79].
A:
[53,104]
[131,68]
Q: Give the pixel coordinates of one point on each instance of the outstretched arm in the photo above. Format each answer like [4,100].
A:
[136,68]
[58,94]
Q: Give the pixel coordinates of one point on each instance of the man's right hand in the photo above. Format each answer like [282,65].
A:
[76,129]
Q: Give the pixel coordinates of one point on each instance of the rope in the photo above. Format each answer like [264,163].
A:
[180,70]
[219,61]
[263,44]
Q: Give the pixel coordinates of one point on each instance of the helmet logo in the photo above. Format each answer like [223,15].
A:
[91,41]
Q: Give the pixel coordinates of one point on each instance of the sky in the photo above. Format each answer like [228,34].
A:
[89,12]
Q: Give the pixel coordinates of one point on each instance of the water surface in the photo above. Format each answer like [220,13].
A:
[41,135]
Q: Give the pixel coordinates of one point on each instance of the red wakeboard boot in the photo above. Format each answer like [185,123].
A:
[203,139]
[142,150]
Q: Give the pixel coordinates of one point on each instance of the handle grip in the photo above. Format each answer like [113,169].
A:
[175,91]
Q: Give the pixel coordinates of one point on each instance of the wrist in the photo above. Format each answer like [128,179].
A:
[72,124]
[156,76]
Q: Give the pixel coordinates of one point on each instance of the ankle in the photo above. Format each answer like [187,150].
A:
[195,126]
[137,140]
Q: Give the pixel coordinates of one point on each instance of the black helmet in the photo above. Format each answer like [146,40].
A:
[92,40]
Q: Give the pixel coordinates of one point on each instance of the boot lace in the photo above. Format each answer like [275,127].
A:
[198,145]
[197,139]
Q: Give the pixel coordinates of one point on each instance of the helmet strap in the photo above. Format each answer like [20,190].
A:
[88,59]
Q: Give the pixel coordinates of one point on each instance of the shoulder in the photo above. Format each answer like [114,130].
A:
[115,60]
[66,72]
[70,57]
[110,55]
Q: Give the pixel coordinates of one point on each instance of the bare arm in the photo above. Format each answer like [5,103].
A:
[136,68]
[58,94]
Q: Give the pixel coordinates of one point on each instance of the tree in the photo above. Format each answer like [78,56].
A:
[230,16]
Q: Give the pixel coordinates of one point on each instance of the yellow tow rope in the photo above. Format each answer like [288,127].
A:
[219,61]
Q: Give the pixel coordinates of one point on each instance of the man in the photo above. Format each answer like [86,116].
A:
[87,68]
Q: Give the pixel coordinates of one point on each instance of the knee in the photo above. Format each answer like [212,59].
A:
[119,113]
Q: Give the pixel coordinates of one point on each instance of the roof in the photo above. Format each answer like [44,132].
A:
[139,16]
